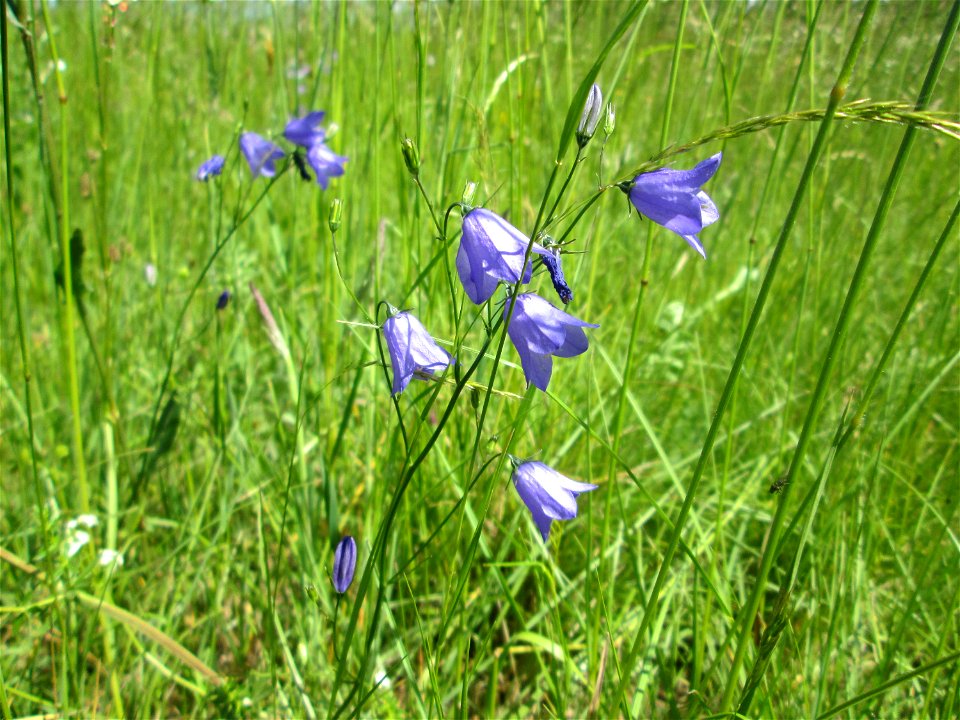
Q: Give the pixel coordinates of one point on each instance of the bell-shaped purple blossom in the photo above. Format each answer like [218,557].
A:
[211,168]
[548,494]
[673,198]
[491,250]
[344,563]
[539,331]
[306,131]
[261,154]
[411,350]
[325,163]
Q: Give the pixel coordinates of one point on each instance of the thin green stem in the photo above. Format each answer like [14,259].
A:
[69,307]
[652,604]
[181,316]
[839,333]
[881,365]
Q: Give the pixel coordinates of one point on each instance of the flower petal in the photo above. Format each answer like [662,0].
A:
[478,284]
[677,210]
[708,211]
[396,331]
[528,491]
[423,348]
[575,343]
[694,242]
[537,367]
[689,180]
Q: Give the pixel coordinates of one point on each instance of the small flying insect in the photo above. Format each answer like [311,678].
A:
[301,164]
[777,485]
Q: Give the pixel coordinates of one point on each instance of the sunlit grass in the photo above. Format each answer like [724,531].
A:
[224,469]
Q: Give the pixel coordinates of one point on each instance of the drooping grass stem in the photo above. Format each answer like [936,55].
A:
[181,316]
[839,333]
[836,95]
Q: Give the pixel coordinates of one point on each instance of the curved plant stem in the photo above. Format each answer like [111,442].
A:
[181,316]
[652,605]
[839,333]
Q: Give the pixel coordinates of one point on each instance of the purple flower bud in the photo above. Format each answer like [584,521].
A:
[551,260]
[491,250]
[261,154]
[344,563]
[211,168]
[306,131]
[590,116]
[539,331]
[411,350]
[673,198]
[548,494]
[223,300]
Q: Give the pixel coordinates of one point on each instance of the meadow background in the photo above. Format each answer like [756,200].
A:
[226,516]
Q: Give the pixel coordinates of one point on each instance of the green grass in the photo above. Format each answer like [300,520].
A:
[648,604]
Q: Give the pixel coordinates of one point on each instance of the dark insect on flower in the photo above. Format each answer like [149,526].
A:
[551,260]
[779,484]
[301,163]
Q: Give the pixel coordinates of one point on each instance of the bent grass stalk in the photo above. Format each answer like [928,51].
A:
[182,314]
[652,603]
[829,358]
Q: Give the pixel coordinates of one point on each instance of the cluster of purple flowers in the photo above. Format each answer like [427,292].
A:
[493,251]
[262,155]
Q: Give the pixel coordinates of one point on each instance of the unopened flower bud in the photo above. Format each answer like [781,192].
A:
[411,156]
[469,190]
[590,116]
[336,213]
[223,300]
[610,120]
[344,564]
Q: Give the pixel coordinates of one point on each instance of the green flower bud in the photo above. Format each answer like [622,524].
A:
[610,120]
[336,213]
[411,156]
[469,190]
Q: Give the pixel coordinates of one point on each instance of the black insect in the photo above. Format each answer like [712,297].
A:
[779,484]
[301,164]
[551,260]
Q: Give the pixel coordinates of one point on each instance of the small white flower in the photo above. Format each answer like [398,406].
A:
[150,274]
[87,520]
[76,541]
[382,680]
[110,557]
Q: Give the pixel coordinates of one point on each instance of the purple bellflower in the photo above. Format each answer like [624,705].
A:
[548,494]
[344,563]
[211,168]
[411,350]
[261,154]
[539,331]
[306,131]
[491,250]
[673,198]
[326,164]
